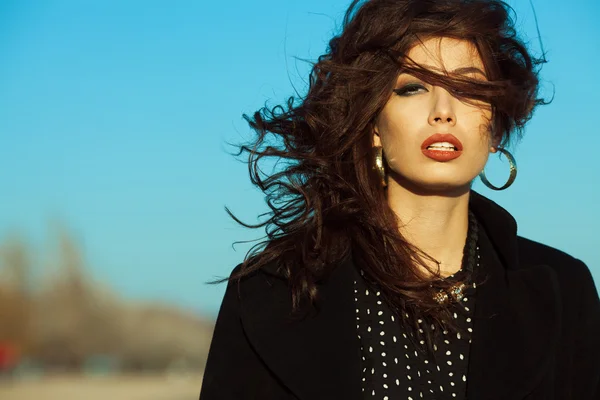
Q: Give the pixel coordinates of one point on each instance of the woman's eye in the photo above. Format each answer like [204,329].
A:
[409,89]
[458,92]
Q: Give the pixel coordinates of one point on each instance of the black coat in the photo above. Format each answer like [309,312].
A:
[536,329]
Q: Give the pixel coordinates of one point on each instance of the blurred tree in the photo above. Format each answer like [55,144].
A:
[64,309]
[15,295]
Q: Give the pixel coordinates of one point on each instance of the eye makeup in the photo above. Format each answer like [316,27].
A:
[410,89]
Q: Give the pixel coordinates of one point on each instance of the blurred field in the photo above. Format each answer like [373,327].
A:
[67,323]
[131,387]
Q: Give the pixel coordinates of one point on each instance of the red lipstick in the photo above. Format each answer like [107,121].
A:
[444,147]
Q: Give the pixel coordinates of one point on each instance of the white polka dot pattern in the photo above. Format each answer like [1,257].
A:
[394,368]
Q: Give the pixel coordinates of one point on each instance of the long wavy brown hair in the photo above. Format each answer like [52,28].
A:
[325,197]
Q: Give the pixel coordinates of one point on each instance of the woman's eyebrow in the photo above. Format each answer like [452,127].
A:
[460,71]
[469,70]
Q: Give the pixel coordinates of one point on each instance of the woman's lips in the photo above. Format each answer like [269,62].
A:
[441,154]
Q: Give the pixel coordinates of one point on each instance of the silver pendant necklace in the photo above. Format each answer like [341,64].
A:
[456,292]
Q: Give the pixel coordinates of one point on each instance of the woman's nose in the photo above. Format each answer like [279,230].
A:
[442,108]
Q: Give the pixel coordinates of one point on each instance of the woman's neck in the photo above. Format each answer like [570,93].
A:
[437,223]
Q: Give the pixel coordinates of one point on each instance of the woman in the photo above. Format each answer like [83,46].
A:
[384,275]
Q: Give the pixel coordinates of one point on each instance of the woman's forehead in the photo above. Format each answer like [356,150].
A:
[447,55]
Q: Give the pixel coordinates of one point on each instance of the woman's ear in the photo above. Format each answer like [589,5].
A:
[496,140]
[376,138]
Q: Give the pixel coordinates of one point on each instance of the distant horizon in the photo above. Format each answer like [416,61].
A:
[115,119]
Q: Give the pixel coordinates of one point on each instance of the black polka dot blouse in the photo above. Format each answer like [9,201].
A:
[392,365]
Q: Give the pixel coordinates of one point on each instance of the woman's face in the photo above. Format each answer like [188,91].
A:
[416,111]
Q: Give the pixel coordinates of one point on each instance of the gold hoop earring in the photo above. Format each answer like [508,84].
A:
[513,171]
[379,164]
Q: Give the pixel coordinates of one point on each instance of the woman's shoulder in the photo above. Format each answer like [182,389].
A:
[572,273]
[534,252]
[247,283]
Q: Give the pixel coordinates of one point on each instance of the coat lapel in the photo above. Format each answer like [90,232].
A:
[517,319]
[317,357]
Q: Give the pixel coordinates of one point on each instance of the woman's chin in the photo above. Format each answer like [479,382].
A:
[441,185]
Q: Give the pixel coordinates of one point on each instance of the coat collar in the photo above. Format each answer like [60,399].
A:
[516,323]
[316,357]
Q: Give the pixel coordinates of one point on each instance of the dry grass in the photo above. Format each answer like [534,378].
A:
[149,387]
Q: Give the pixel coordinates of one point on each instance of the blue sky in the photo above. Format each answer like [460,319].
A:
[114,117]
